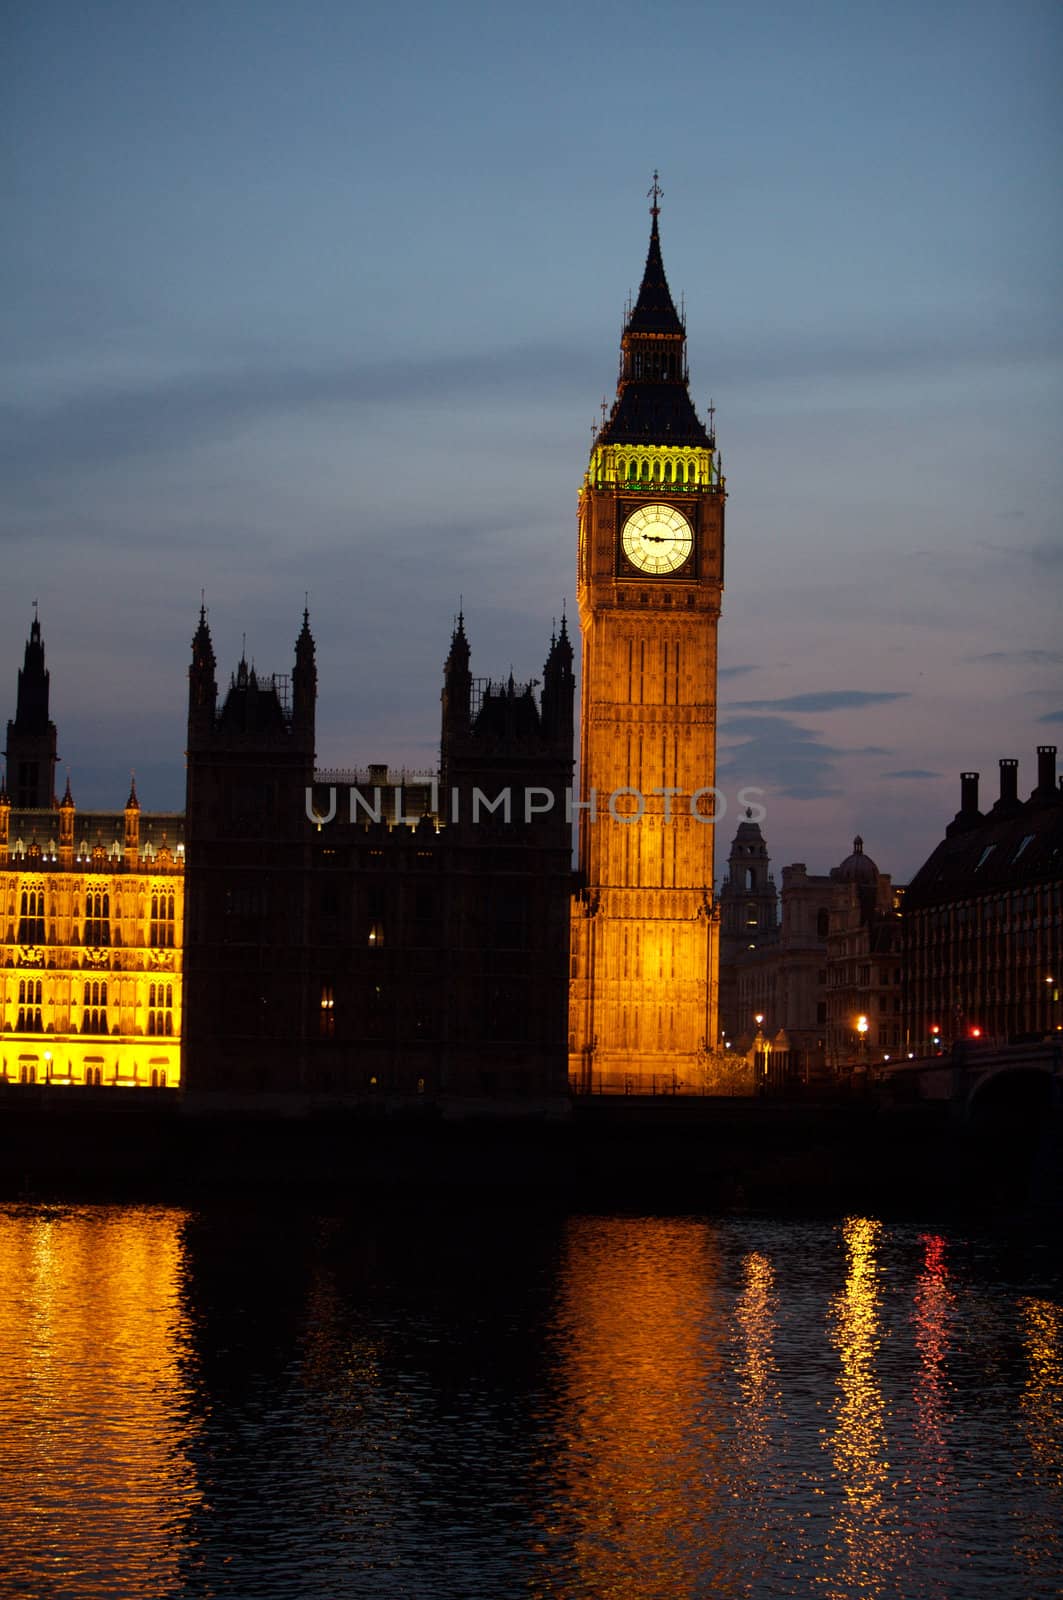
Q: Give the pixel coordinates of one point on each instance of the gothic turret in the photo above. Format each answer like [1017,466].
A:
[132,827]
[304,685]
[31,737]
[456,697]
[559,687]
[202,682]
[66,827]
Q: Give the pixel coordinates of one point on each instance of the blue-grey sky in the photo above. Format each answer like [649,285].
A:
[326,297]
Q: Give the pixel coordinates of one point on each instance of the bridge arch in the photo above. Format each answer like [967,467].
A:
[1015,1094]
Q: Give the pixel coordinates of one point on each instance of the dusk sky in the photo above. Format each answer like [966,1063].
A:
[325,298]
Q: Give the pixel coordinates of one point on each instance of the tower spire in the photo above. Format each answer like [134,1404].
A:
[202,683]
[304,681]
[31,737]
[653,404]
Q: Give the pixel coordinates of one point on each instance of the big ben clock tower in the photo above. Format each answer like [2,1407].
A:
[643,1002]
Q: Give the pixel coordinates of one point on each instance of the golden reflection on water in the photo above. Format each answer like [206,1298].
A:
[756,1311]
[92,1400]
[932,1310]
[859,1541]
[1041,1411]
[636,1493]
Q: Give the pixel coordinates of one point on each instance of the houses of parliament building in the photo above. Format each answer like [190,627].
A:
[370,933]
[318,938]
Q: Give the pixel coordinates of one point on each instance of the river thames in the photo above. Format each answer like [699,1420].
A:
[259,1402]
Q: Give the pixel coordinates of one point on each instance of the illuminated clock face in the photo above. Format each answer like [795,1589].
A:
[657,539]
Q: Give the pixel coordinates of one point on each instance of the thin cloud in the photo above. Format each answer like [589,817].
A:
[1022,658]
[911,772]
[780,754]
[1051,716]
[955,344]
[826,700]
[173,412]
[737,672]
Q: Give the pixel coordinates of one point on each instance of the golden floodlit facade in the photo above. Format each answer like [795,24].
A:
[91,923]
[643,999]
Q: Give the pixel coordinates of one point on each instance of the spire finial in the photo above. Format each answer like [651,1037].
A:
[655,194]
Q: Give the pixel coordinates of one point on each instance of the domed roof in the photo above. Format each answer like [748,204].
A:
[857,868]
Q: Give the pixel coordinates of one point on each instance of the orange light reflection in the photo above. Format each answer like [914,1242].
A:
[855,1556]
[637,1495]
[93,1404]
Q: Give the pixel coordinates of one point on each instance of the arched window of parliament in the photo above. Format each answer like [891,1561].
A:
[94,1007]
[97,918]
[30,1015]
[160,1009]
[31,916]
[162,920]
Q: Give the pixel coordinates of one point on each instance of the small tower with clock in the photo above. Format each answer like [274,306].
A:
[643,999]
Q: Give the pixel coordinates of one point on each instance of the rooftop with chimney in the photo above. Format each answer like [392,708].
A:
[1012,843]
